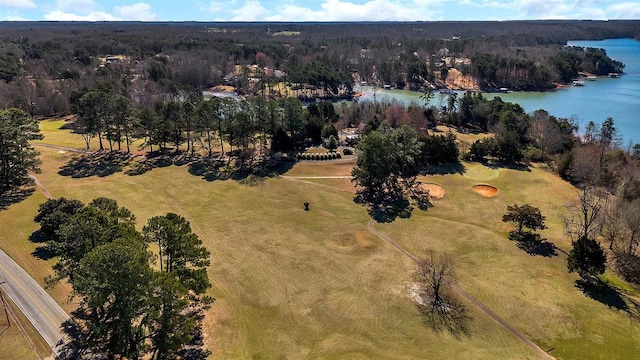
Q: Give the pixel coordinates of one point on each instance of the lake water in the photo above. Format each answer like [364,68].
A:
[595,101]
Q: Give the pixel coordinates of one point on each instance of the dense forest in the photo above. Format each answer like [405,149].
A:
[42,63]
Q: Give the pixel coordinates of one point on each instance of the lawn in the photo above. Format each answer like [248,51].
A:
[288,283]
[534,293]
[291,283]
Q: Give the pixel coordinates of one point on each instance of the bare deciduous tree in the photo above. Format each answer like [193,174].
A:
[441,310]
[434,274]
[585,218]
[545,133]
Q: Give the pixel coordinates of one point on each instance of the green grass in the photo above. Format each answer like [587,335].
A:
[317,284]
[61,137]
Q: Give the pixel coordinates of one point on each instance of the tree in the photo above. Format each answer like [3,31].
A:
[545,133]
[524,217]
[329,130]
[584,219]
[17,156]
[127,308]
[170,325]
[55,212]
[92,110]
[100,222]
[586,258]
[384,158]
[435,274]
[180,251]
[113,281]
[332,143]
[527,219]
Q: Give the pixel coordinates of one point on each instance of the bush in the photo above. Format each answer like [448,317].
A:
[347,151]
[532,154]
[338,156]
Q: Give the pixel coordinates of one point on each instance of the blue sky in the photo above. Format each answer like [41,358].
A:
[319,10]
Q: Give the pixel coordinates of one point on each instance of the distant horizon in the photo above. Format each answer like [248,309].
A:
[318,11]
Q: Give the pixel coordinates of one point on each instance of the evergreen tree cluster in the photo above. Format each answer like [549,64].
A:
[134,303]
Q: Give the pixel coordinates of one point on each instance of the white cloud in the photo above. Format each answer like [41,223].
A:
[250,11]
[78,6]
[374,10]
[545,9]
[59,15]
[331,10]
[139,11]
[22,4]
[626,10]
[296,13]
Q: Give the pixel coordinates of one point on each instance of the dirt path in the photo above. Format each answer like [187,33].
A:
[316,177]
[477,303]
[41,187]
[63,148]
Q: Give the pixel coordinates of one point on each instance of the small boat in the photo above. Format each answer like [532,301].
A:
[614,75]
[578,83]
[591,78]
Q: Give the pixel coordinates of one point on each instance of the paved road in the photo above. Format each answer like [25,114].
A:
[44,313]
[477,303]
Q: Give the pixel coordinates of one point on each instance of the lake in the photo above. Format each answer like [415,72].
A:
[595,101]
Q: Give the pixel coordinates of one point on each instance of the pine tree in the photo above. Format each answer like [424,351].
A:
[17,156]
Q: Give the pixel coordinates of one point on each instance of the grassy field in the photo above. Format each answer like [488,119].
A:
[293,284]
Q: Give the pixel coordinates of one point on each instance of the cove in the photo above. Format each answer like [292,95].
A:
[618,98]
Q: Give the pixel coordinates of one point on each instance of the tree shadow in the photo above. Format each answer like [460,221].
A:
[450,316]
[445,169]
[216,169]
[75,344]
[628,266]
[10,197]
[210,169]
[99,164]
[43,253]
[602,292]
[533,244]
[387,206]
[281,167]
[150,162]
[389,211]
[511,166]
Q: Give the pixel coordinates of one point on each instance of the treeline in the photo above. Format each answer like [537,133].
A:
[41,64]
[133,303]
[247,129]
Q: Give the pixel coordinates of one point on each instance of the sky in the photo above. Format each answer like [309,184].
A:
[318,10]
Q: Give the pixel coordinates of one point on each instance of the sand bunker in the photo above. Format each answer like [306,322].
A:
[435,191]
[485,190]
